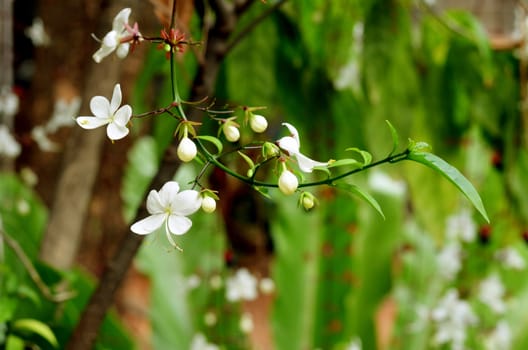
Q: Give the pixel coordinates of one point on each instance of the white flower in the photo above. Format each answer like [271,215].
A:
[199,342]
[258,123]
[37,33]
[170,208]
[491,292]
[231,132]
[215,282]
[500,337]
[246,323]
[449,260]
[64,113]
[193,282]
[383,183]
[292,145]
[208,204]
[241,286]
[288,182]
[266,285]
[511,258]
[461,226]
[115,40]
[354,344]
[9,147]
[452,316]
[39,135]
[106,112]
[8,104]
[186,150]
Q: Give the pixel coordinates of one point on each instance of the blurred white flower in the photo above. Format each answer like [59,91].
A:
[37,33]
[500,337]
[199,342]
[461,226]
[449,260]
[64,113]
[383,183]
[511,258]
[215,282]
[246,323]
[9,147]
[210,318]
[8,104]
[354,344]
[193,282]
[292,145]
[241,286]
[451,317]
[266,285]
[39,135]
[491,292]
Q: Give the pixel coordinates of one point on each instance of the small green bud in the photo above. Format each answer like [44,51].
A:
[307,200]
[270,150]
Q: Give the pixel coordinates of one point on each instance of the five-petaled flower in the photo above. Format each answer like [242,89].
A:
[106,112]
[291,144]
[169,207]
[119,38]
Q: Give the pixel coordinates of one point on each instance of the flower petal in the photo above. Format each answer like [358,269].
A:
[289,144]
[122,50]
[168,192]
[122,116]
[90,122]
[186,202]
[100,107]
[120,19]
[178,225]
[116,132]
[116,99]
[306,164]
[102,53]
[148,224]
[111,40]
[154,205]
[293,131]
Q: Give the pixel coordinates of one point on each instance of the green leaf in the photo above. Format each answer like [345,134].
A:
[395,138]
[29,326]
[343,162]
[453,175]
[353,189]
[367,157]
[213,140]
[247,159]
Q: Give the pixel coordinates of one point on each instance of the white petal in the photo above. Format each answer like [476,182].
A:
[186,202]
[90,122]
[306,164]
[122,116]
[100,107]
[102,53]
[148,224]
[154,205]
[116,98]
[178,225]
[122,50]
[289,144]
[120,19]
[111,40]
[116,132]
[293,131]
[168,192]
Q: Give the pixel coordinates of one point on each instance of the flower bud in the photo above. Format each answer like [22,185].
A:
[288,182]
[231,132]
[186,150]
[208,204]
[307,200]
[258,123]
[270,150]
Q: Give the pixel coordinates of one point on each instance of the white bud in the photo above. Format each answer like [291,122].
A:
[288,182]
[208,204]
[266,285]
[258,123]
[186,150]
[231,132]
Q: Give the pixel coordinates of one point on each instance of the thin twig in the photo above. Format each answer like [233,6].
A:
[33,273]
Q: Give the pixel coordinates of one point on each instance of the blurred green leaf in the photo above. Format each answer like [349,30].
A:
[355,190]
[35,330]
